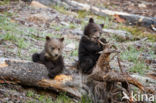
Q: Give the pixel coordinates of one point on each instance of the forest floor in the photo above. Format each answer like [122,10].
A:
[140,7]
[23,29]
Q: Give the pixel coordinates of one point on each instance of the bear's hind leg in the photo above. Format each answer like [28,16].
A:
[86,65]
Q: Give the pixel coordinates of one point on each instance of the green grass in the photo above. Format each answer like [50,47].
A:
[57,27]
[85,99]
[139,67]
[60,9]
[72,26]
[132,55]
[83,14]
[138,32]
[11,33]
[74,53]
[30,93]
[62,98]
[4,2]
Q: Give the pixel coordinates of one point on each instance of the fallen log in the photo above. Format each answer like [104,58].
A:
[131,19]
[35,75]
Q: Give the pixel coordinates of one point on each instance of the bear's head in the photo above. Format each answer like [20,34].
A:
[93,30]
[53,47]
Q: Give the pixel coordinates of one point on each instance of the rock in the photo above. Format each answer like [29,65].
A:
[70,47]
[64,23]
[40,18]
[142,5]
[46,2]
[120,34]
[37,4]
[77,31]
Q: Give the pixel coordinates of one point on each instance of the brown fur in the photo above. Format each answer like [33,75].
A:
[51,56]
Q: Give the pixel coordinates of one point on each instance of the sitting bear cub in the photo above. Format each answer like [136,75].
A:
[51,56]
[89,46]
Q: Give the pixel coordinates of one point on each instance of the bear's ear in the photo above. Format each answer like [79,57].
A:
[61,39]
[48,38]
[102,25]
[91,20]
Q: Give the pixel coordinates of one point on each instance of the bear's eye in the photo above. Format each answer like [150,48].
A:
[95,30]
[52,48]
[59,49]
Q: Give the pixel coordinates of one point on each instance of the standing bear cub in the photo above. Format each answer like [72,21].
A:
[51,56]
[89,46]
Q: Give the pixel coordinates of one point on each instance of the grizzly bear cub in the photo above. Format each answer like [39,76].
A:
[89,47]
[51,56]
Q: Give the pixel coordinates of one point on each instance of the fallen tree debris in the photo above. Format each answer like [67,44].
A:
[130,19]
[35,75]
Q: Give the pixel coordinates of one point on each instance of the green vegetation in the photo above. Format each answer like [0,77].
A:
[4,2]
[62,98]
[74,53]
[132,55]
[30,93]
[57,27]
[138,31]
[83,14]
[10,32]
[86,99]
[139,67]
[60,9]
[36,97]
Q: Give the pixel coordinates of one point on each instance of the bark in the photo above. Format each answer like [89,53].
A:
[36,75]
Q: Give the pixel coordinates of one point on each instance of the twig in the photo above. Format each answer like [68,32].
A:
[120,65]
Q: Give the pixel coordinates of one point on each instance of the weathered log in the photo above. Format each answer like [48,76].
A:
[34,74]
[118,77]
[131,19]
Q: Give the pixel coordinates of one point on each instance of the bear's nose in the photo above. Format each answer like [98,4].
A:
[56,55]
[97,37]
